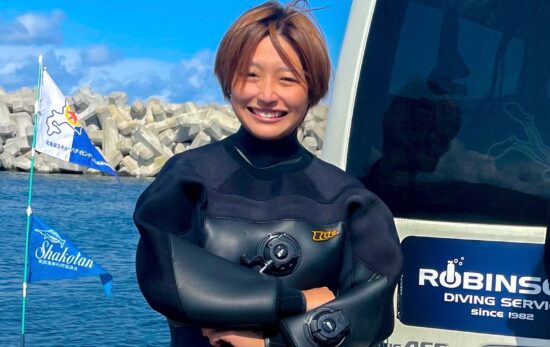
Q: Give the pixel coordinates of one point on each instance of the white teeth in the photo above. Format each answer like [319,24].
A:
[265,114]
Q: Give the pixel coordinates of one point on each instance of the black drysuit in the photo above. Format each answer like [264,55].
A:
[233,231]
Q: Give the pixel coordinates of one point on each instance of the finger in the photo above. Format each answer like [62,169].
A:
[214,337]
[207,332]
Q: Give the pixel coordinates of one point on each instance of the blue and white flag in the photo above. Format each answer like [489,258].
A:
[60,134]
[52,256]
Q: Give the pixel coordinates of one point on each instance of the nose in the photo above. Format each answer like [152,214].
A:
[267,92]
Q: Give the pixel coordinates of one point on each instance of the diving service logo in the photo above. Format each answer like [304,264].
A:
[479,286]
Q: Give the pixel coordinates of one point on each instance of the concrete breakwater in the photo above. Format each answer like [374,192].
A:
[136,139]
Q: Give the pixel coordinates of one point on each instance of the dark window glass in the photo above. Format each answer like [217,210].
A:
[452,119]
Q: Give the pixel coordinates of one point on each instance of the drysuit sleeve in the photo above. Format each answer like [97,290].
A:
[362,313]
[183,281]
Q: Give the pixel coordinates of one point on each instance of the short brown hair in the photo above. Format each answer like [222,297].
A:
[273,19]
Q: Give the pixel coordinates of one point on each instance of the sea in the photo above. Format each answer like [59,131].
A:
[95,213]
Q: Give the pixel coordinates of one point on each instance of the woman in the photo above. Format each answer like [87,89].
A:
[247,241]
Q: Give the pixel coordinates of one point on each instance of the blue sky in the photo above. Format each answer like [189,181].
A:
[145,48]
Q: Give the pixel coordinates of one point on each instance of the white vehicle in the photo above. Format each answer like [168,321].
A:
[442,108]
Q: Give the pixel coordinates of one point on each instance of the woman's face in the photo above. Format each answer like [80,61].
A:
[271,102]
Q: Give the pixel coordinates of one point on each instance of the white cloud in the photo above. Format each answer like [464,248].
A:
[187,80]
[98,55]
[33,28]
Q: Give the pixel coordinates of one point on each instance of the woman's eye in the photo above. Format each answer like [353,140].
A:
[251,74]
[289,79]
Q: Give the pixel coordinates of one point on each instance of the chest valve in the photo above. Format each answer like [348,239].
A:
[278,254]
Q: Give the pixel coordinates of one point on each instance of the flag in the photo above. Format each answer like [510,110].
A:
[59,132]
[53,257]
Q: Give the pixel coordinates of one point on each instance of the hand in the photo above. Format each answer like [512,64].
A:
[316,297]
[237,338]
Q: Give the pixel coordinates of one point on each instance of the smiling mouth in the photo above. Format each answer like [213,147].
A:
[268,114]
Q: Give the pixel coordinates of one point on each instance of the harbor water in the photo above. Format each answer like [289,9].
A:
[95,212]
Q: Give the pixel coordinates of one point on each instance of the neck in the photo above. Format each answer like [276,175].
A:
[265,153]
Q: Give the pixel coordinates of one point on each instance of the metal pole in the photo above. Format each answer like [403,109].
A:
[29,209]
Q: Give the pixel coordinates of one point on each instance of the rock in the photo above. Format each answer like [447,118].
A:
[7,126]
[130,163]
[124,145]
[227,124]
[22,163]
[7,161]
[142,154]
[200,140]
[167,137]
[179,148]
[148,138]
[89,116]
[18,145]
[23,123]
[96,136]
[110,139]
[138,110]
[103,113]
[318,132]
[158,112]
[62,165]
[310,143]
[118,99]
[152,169]
[214,130]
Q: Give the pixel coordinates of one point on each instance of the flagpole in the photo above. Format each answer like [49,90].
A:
[29,209]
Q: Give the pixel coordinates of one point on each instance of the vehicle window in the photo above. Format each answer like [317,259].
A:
[452,118]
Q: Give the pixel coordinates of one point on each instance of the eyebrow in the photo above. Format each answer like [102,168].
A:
[283,69]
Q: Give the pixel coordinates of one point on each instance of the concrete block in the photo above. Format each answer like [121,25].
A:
[22,163]
[167,137]
[319,113]
[96,136]
[18,145]
[214,130]
[103,113]
[18,106]
[118,98]
[300,134]
[187,133]
[7,126]
[149,139]
[158,112]
[228,124]
[200,140]
[142,154]
[89,116]
[79,103]
[319,132]
[152,169]
[7,161]
[310,143]
[179,148]
[23,123]
[138,110]
[110,139]
[91,127]
[129,163]
[124,145]
[189,106]
[169,123]
[63,166]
